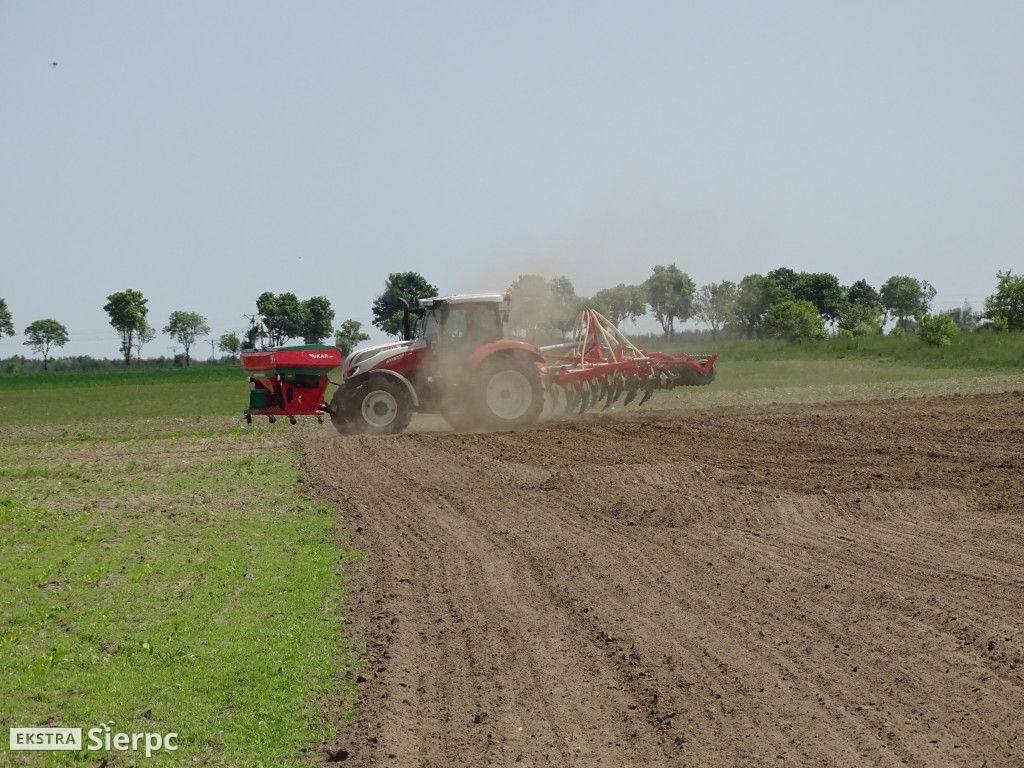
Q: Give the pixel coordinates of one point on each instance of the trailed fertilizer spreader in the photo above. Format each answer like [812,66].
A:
[289,381]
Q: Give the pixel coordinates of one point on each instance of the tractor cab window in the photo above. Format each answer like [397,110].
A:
[474,324]
[429,325]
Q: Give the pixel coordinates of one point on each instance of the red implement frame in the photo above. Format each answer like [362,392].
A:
[603,360]
[289,381]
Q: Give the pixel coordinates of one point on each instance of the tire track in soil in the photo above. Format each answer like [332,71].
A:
[831,585]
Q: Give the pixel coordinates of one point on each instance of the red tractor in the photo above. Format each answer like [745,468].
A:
[459,364]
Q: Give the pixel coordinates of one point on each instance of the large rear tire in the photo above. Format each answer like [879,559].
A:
[378,405]
[509,392]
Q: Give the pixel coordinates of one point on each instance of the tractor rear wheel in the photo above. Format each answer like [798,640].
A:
[509,392]
[378,405]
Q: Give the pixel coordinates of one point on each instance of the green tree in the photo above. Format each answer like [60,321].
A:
[670,296]
[534,311]
[6,321]
[229,343]
[716,305]
[623,302]
[823,291]
[755,294]
[283,316]
[794,321]
[964,317]
[348,337]
[318,320]
[937,330]
[906,297]
[127,311]
[185,328]
[863,294]
[43,335]
[786,279]
[142,338]
[860,319]
[1008,301]
[567,304]
[387,307]
[255,335]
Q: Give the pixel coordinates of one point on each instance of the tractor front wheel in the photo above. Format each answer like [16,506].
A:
[378,405]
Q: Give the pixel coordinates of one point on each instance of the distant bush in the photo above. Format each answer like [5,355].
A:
[794,321]
[938,330]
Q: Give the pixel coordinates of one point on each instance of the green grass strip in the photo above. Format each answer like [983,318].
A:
[168,589]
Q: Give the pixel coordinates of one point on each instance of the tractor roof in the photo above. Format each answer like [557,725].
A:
[464,298]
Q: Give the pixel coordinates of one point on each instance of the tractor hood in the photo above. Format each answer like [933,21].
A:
[364,359]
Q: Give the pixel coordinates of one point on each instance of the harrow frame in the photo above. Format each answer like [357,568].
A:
[603,363]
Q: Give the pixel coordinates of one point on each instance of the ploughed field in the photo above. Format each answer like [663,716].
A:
[823,585]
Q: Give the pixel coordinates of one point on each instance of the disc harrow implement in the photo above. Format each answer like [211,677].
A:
[600,366]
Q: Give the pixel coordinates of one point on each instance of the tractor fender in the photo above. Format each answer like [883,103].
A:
[385,372]
[487,351]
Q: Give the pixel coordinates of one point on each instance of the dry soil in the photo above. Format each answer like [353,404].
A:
[820,585]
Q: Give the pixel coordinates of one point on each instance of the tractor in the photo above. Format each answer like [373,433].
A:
[458,363]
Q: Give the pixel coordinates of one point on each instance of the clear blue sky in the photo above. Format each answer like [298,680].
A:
[205,152]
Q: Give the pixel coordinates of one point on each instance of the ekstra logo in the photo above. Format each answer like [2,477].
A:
[48,739]
[104,737]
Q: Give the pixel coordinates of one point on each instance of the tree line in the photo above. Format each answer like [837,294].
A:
[780,304]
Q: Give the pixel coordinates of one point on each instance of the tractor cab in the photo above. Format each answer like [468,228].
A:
[463,322]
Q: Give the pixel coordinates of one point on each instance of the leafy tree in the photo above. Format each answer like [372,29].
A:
[794,321]
[786,279]
[823,291]
[255,334]
[670,295]
[563,290]
[387,309]
[906,297]
[185,328]
[6,321]
[567,304]
[937,330]
[716,305]
[863,294]
[283,316]
[348,337]
[44,335]
[534,312]
[623,302]
[229,343]
[127,311]
[860,319]
[964,317]
[1008,301]
[318,320]
[543,310]
[755,294]
[142,338]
